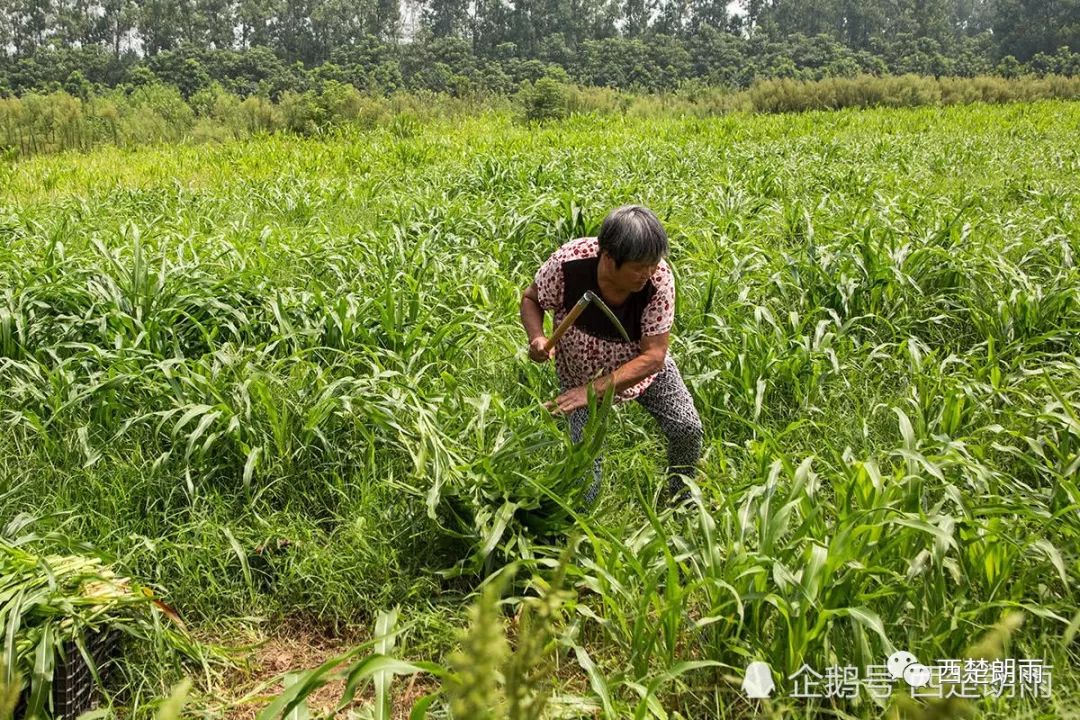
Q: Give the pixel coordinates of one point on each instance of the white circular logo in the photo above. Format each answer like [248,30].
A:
[898,662]
[917,675]
[758,681]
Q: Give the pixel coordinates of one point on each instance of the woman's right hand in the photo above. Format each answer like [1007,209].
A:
[537,353]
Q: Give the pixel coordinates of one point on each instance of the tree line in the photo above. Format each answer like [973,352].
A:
[459,46]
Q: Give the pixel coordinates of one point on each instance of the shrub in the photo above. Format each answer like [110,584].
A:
[211,101]
[300,112]
[257,114]
[545,99]
[77,85]
[206,130]
[910,91]
[104,116]
[167,103]
[773,96]
[339,103]
[1009,67]
[601,100]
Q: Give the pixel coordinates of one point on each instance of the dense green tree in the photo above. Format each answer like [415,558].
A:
[555,50]
[255,20]
[703,13]
[119,18]
[341,23]
[1024,28]
[387,21]
[269,46]
[972,17]
[160,24]
[445,18]
[216,22]
[718,57]
[6,28]
[635,17]
[553,26]
[75,23]
[77,85]
[294,33]
[256,70]
[808,17]
[182,69]
[858,21]
[26,24]
[488,25]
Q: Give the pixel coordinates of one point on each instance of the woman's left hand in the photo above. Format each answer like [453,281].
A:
[569,401]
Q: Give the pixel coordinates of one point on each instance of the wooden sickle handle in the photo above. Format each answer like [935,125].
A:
[566,323]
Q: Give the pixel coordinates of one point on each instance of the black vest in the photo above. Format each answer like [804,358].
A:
[582,275]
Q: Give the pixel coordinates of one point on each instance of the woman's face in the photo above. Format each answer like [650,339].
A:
[631,276]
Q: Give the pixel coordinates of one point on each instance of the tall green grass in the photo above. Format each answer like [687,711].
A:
[284,378]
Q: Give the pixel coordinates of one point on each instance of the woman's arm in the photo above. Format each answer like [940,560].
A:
[532,319]
[651,360]
[532,315]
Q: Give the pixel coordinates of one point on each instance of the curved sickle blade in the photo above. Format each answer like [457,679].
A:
[596,300]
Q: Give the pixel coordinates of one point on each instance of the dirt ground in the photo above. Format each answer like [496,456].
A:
[293,648]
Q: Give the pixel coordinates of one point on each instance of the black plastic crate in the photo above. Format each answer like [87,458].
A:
[74,690]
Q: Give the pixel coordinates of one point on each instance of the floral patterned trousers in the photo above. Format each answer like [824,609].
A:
[667,400]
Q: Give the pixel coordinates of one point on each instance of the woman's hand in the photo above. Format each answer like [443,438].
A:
[569,401]
[537,353]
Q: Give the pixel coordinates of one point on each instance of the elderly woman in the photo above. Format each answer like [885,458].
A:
[625,266]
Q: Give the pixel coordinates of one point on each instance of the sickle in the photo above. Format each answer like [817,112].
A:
[579,307]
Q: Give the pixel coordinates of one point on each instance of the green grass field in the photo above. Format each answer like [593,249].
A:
[284,380]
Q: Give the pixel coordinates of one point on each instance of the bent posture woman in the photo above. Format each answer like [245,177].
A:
[625,266]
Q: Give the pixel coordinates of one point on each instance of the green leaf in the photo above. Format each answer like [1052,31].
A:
[498,527]
[906,431]
[374,664]
[420,707]
[250,464]
[869,620]
[596,680]
[385,635]
[173,706]
[238,550]
[1055,558]
[42,677]
[299,710]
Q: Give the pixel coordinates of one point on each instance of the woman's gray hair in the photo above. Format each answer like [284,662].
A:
[632,233]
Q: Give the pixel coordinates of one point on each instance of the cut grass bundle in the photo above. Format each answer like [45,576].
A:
[52,606]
